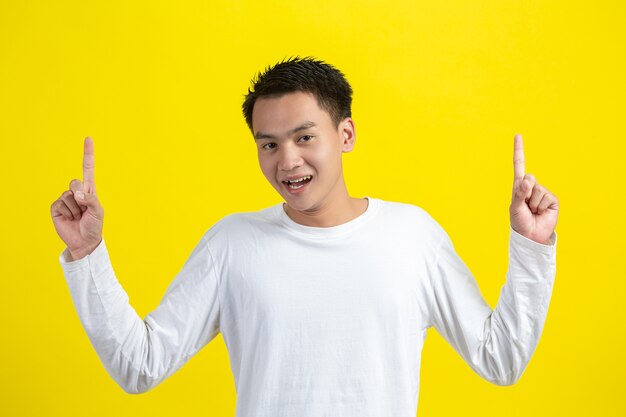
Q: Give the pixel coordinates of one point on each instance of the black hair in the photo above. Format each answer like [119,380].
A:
[309,75]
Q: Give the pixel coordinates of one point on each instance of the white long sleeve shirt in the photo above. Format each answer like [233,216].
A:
[319,321]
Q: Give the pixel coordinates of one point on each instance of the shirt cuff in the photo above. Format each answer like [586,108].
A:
[531,244]
[96,261]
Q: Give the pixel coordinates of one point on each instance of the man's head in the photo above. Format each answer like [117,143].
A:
[309,75]
[299,114]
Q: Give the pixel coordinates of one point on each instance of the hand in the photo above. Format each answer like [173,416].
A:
[77,215]
[534,209]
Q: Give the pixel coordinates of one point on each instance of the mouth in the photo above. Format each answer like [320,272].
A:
[297,184]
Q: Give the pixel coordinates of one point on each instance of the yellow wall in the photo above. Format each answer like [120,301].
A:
[440,90]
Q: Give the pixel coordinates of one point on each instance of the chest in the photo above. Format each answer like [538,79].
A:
[324,287]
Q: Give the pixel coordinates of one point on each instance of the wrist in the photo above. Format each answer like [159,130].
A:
[81,253]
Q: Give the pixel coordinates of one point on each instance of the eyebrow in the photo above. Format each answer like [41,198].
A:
[305,125]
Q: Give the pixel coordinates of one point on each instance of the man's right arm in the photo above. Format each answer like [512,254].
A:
[137,353]
[141,353]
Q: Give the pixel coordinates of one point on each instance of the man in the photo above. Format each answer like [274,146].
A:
[323,300]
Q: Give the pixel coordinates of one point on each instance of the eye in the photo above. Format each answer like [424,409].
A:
[267,144]
[307,136]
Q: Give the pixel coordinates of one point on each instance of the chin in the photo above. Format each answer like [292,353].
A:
[296,205]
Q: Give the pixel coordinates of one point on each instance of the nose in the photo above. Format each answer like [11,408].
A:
[289,159]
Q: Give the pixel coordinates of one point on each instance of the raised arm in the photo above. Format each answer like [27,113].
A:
[498,343]
[137,353]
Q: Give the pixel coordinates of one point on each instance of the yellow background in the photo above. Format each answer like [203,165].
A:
[440,90]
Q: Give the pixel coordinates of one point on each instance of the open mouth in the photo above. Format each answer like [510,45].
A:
[299,183]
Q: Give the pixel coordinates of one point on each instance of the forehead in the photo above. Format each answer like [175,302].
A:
[276,114]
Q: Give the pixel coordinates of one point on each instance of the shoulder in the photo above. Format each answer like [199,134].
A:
[236,226]
[405,209]
[412,218]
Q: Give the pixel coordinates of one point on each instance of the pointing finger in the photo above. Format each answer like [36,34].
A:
[88,167]
[518,158]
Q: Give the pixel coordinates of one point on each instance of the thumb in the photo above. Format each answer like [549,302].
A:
[91,201]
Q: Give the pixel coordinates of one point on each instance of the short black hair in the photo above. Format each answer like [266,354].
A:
[309,75]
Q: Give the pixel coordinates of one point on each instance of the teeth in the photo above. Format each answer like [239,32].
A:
[298,180]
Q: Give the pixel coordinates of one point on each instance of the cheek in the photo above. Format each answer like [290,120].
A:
[267,169]
[329,158]
[263,165]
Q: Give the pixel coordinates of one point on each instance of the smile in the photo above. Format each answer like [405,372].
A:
[299,183]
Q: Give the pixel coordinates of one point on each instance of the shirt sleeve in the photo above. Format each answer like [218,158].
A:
[497,344]
[139,354]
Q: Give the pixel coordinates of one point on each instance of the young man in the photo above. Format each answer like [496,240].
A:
[323,300]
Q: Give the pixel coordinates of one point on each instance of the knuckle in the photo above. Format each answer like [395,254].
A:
[59,210]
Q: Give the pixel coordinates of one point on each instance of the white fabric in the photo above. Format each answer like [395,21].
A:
[319,321]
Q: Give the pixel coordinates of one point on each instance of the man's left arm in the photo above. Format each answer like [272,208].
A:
[498,343]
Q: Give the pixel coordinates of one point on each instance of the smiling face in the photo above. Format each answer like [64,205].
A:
[296,139]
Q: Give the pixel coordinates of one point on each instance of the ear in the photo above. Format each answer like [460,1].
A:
[347,133]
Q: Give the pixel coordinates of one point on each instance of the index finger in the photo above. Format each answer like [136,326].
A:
[88,167]
[518,157]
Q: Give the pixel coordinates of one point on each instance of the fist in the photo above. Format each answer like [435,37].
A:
[77,214]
